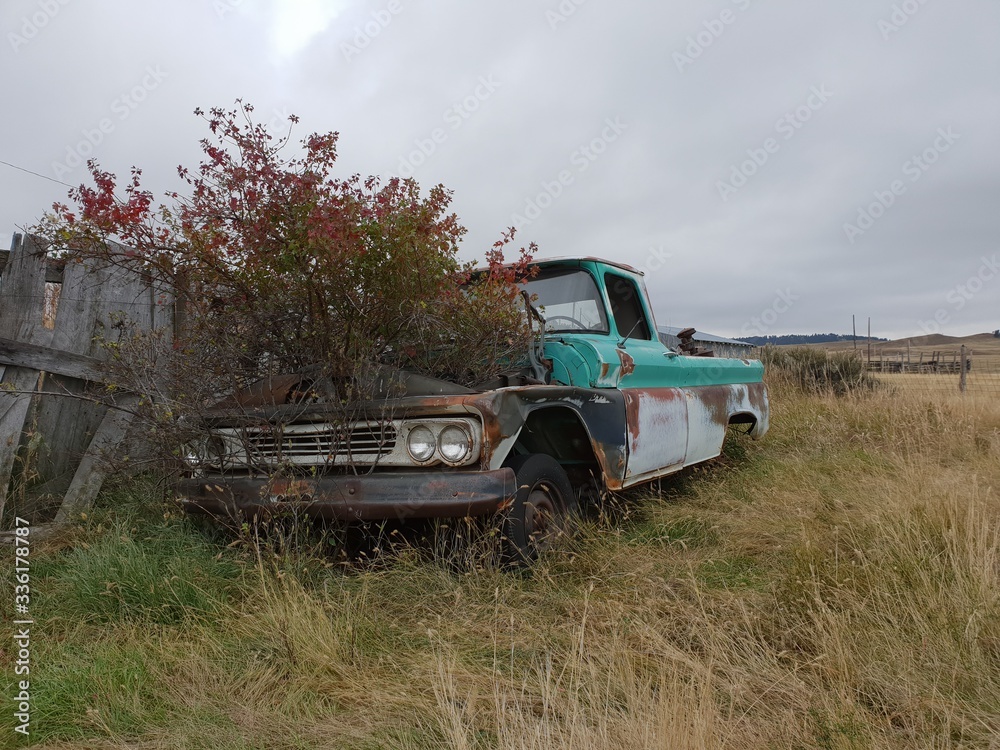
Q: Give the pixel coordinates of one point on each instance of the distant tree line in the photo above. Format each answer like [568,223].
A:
[803,338]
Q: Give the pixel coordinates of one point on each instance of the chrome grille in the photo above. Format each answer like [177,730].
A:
[321,443]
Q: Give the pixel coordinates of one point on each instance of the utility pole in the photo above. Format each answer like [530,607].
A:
[854,333]
[869,339]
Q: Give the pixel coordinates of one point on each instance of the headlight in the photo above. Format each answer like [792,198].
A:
[454,444]
[208,450]
[194,452]
[421,444]
[216,450]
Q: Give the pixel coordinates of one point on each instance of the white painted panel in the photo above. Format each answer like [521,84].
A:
[657,432]
[709,410]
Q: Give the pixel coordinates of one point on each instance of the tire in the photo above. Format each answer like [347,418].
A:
[542,511]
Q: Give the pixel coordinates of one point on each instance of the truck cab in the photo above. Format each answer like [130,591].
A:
[600,334]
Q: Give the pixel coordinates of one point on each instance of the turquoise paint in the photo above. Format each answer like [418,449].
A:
[570,363]
[579,359]
[594,360]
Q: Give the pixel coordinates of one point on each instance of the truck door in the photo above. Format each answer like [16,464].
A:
[656,408]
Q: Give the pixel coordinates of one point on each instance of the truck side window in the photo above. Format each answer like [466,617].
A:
[626,307]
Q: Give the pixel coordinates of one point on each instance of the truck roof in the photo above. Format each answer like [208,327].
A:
[566,259]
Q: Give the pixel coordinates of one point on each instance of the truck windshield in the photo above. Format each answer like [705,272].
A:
[568,299]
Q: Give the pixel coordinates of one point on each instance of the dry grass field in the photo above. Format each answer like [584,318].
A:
[834,586]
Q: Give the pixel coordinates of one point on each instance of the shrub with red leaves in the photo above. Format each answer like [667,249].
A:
[284,267]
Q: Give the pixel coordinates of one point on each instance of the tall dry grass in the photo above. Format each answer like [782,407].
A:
[833,586]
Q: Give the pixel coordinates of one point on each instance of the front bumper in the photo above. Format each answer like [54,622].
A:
[370,497]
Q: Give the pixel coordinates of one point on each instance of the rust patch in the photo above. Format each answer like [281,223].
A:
[493,433]
[632,421]
[628,364]
[605,368]
[282,389]
[355,498]
[291,489]
[716,400]
[612,463]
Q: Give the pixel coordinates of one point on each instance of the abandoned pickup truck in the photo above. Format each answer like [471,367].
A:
[600,405]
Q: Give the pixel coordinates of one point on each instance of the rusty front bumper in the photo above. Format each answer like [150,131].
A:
[370,497]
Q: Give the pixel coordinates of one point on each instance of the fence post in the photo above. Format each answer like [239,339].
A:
[964,366]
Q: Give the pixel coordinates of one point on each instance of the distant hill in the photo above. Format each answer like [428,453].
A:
[803,338]
[979,341]
[937,339]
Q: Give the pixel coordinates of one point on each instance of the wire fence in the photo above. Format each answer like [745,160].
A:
[938,383]
[963,369]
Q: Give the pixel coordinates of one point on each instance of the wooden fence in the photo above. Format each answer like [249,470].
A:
[935,362]
[54,427]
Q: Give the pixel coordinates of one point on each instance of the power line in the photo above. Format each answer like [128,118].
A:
[36,174]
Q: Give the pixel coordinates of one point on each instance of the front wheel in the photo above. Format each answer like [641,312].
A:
[542,511]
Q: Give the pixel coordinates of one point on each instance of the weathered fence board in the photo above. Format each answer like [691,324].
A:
[22,297]
[49,410]
[47,359]
[53,269]
[14,411]
[89,477]
[94,302]
[23,290]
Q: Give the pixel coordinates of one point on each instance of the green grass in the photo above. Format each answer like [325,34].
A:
[836,585]
[154,574]
[96,685]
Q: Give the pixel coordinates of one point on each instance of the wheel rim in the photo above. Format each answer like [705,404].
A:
[540,516]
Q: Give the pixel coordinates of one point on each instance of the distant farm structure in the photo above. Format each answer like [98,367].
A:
[935,362]
[718,345]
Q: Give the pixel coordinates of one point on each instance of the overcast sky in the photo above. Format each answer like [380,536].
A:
[773,167]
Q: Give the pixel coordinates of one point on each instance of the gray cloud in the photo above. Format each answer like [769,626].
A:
[402,78]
